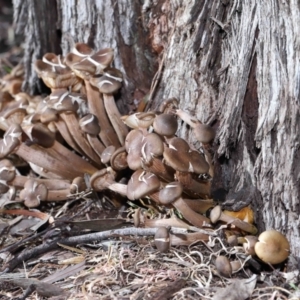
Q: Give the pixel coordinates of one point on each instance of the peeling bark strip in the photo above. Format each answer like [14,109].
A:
[231,63]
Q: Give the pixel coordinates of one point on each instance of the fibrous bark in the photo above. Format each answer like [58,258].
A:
[232,64]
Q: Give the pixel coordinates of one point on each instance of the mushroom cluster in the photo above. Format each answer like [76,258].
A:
[78,130]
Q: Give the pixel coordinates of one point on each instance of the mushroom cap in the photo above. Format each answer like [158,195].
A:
[118,160]
[215,214]
[223,266]
[133,146]
[107,153]
[142,184]
[89,124]
[152,147]
[7,170]
[139,119]
[85,64]
[165,124]
[110,82]
[40,134]
[181,158]
[272,247]
[249,245]
[162,239]
[170,193]
[11,139]
[102,179]
[176,154]
[54,74]
[204,133]
[82,49]
[33,193]
[63,101]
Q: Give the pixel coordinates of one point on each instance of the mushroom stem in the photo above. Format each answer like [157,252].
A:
[76,162]
[193,217]
[57,184]
[186,239]
[115,117]
[217,215]
[64,131]
[74,128]
[41,157]
[184,116]
[95,102]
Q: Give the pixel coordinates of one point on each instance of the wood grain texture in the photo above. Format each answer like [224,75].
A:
[231,63]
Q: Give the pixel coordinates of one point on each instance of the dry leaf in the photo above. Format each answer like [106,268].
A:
[238,290]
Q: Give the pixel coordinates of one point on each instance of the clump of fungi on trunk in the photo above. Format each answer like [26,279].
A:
[77,130]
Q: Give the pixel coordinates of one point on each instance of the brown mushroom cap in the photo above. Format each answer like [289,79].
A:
[107,154]
[133,146]
[223,266]
[102,179]
[142,184]
[204,133]
[165,124]
[33,192]
[162,239]
[54,74]
[181,158]
[85,63]
[64,101]
[7,170]
[139,119]
[40,134]
[11,139]
[272,247]
[110,82]
[89,124]
[170,192]
[152,147]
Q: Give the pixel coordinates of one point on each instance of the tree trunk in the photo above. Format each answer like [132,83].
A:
[232,64]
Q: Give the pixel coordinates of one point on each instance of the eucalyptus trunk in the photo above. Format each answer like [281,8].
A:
[232,64]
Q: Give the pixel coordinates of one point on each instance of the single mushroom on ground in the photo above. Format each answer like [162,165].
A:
[272,247]
[171,194]
[162,239]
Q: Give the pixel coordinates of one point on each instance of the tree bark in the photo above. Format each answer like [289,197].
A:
[232,64]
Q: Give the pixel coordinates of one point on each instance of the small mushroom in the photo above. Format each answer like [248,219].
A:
[165,125]
[105,179]
[89,124]
[223,266]
[139,120]
[249,245]
[203,133]
[272,247]
[142,184]
[216,215]
[162,239]
[171,194]
[54,73]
